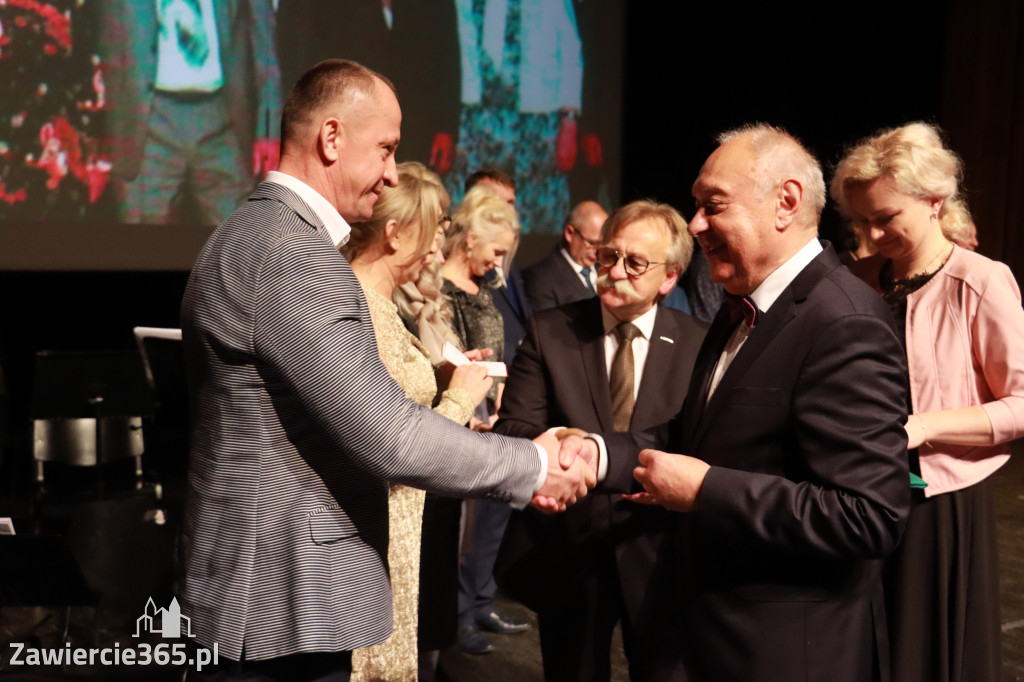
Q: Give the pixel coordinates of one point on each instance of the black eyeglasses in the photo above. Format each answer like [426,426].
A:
[592,242]
[634,265]
[445,222]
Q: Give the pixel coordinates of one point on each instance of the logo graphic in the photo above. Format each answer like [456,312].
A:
[165,622]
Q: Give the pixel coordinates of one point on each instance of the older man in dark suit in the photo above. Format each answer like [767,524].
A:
[615,363]
[297,425]
[569,273]
[793,483]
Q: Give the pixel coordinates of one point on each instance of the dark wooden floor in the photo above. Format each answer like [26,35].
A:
[125,549]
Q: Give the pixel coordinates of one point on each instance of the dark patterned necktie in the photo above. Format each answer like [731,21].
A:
[742,308]
[621,379]
[585,273]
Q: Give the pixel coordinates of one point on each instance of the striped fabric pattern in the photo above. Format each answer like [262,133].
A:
[296,425]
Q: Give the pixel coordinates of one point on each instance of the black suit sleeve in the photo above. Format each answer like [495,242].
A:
[846,493]
[623,456]
[539,291]
[526,399]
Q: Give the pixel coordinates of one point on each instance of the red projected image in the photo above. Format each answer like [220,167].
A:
[53,96]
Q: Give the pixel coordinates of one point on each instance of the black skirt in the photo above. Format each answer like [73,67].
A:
[942,590]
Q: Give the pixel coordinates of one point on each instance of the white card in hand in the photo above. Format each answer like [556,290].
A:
[457,357]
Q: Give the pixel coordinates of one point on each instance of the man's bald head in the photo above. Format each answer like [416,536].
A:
[582,233]
[778,157]
[332,86]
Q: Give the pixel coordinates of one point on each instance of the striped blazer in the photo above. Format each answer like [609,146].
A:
[296,426]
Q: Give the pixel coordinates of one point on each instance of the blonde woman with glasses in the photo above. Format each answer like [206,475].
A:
[390,249]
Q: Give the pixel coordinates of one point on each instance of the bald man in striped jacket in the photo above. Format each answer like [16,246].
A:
[297,426]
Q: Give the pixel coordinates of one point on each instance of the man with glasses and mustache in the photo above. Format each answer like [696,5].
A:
[617,362]
[570,273]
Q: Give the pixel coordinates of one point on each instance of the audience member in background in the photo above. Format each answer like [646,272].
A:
[961,322]
[499,181]
[568,274]
[484,233]
[613,552]
[390,249]
[856,245]
[506,280]
[695,293]
[428,316]
[964,236]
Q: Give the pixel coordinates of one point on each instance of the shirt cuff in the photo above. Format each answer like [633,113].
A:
[602,456]
[542,476]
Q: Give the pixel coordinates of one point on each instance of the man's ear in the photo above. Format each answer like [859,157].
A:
[330,139]
[670,282]
[790,197]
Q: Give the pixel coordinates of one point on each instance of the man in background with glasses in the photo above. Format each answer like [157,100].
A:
[569,274]
[617,362]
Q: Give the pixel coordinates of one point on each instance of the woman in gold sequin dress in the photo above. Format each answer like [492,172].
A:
[391,248]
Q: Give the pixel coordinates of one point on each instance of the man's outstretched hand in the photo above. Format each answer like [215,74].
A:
[571,472]
[673,481]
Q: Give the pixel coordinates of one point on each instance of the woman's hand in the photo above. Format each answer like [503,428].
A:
[473,379]
[916,434]
[478,354]
[482,426]
[960,426]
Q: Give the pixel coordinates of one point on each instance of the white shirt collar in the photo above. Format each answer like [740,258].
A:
[575,266]
[645,323]
[774,284]
[337,227]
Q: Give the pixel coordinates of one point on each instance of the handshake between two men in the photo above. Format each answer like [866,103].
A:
[670,480]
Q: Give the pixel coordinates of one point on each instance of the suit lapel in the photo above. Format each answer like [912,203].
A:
[224,12]
[782,312]
[704,367]
[571,279]
[274,192]
[659,356]
[589,331]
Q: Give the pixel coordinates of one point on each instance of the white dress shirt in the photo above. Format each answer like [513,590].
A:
[577,268]
[337,227]
[764,296]
[641,344]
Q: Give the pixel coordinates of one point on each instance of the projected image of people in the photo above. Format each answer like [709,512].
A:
[415,43]
[522,77]
[165,112]
[194,93]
